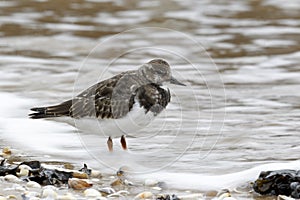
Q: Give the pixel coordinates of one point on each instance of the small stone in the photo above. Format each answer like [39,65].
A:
[18,187]
[117,182]
[92,193]
[96,174]
[68,166]
[6,151]
[143,195]
[79,184]
[162,185]
[48,192]
[33,184]
[85,169]
[30,195]
[107,190]
[225,195]
[150,182]
[11,197]
[283,197]
[11,178]
[168,197]
[211,193]
[120,193]
[95,180]
[196,196]
[36,198]
[127,182]
[67,196]
[123,171]
[157,188]
[3,198]
[123,192]
[80,175]
[24,170]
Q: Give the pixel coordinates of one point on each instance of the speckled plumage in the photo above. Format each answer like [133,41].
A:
[121,105]
[114,98]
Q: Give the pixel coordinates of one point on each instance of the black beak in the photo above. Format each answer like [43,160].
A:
[176,82]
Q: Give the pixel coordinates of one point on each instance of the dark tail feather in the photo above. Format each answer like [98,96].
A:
[63,109]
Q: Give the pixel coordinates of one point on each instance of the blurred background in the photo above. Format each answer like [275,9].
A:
[250,48]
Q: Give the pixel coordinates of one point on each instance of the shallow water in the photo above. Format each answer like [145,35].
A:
[239,59]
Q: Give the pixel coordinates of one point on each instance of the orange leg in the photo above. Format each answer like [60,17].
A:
[123,142]
[110,144]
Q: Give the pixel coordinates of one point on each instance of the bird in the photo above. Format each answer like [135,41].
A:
[123,103]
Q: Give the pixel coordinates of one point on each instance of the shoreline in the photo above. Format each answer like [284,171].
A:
[65,180]
[95,185]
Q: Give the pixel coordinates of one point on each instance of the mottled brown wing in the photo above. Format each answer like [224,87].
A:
[96,100]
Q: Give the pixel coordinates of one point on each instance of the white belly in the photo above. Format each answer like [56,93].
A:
[135,120]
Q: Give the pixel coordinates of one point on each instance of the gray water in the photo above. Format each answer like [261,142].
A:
[239,59]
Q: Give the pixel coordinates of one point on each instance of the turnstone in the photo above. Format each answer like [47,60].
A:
[126,102]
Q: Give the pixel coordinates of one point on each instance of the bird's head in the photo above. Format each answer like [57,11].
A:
[158,71]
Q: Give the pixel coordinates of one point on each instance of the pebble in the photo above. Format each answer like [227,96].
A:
[3,198]
[17,187]
[225,195]
[107,190]
[285,197]
[24,170]
[95,180]
[127,182]
[157,188]
[78,184]
[123,171]
[211,193]
[67,196]
[11,197]
[49,193]
[30,195]
[150,182]
[120,193]
[68,166]
[92,193]
[6,151]
[144,195]
[33,184]
[12,178]
[36,198]
[96,174]
[80,175]
[196,196]
[167,197]
[117,182]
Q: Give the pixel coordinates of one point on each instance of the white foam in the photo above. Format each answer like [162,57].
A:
[216,182]
[43,136]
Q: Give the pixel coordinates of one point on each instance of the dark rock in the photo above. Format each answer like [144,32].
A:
[280,182]
[38,174]
[296,191]
[33,164]
[86,170]
[168,197]
[4,170]
[51,177]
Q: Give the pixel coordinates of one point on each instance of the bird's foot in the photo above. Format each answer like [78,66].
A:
[123,142]
[110,144]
